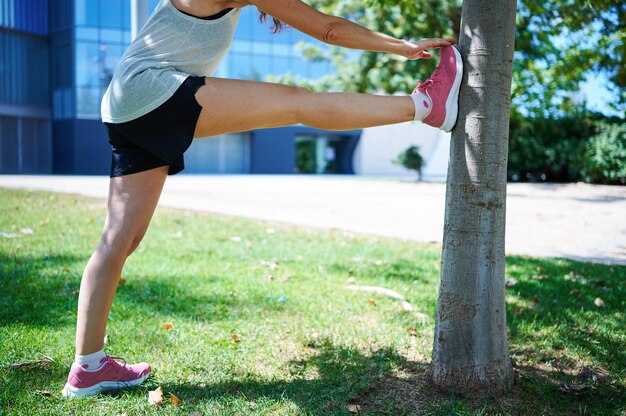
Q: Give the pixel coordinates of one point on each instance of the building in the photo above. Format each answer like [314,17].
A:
[57,58]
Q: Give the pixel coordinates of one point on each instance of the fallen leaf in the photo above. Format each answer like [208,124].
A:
[232,293]
[574,292]
[412,331]
[371,301]
[44,393]
[269,277]
[536,299]
[8,235]
[235,238]
[195,414]
[122,280]
[66,270]
[235,337]
[510,282]
[378,262]
[539,277]
[350,280]
[270,230]
[572,388]
[44,362]
[598,302]
[354,408]
[167,326]
[175,399]
[26,231]
[155,397]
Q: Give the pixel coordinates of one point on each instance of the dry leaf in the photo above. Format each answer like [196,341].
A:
[350,280]
[539,277]
[66,270]
[371,301]
[155,397]
[45,361]
[44,393]
[175,399]
[195,414]
[167,326]
[378,262]
[235,337]
[26,231]
[598,302]
[232,293]
[574,292]
[270,230]
[510,282]
[536,299]
[122,280]
[8,235]
[412,331]
[354,408]
[235,238]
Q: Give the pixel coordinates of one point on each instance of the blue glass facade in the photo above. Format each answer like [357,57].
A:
[57,58]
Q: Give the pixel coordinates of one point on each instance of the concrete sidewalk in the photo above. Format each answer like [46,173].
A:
[577,221]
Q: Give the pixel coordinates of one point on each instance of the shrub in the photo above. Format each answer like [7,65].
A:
[605,157]
[411,159]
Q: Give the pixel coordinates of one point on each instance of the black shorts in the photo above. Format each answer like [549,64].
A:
[158,138]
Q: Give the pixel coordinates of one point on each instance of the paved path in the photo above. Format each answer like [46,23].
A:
[576,221]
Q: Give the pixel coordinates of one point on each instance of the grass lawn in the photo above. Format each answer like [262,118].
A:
[263,323]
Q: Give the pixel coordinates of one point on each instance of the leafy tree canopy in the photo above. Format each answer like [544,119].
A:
[559,44]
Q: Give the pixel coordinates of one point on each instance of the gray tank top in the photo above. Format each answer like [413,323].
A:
[171,46]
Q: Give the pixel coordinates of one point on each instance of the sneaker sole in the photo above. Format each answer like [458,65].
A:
[69,391]
[452,103]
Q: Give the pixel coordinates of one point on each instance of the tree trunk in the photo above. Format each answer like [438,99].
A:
[470,353]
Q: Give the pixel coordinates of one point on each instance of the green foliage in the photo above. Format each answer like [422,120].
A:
[559,44]
[605,157]
[547,148]
[411,159]
[581,146]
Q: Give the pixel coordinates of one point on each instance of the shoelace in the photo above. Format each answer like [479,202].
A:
[113,360]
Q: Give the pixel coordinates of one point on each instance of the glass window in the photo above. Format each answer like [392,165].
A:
[88,64]
[111,13]
[280,66]
[86,12]
[111,35]
[261,47]
[87,33]
[87,102]
[240,66]
[262,66]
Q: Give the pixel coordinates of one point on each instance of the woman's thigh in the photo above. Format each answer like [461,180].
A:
[132,201]
[230,106]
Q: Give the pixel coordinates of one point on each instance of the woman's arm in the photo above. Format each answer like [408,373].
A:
[341,32]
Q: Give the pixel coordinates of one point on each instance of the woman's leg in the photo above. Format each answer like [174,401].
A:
[132,200]
[230,106]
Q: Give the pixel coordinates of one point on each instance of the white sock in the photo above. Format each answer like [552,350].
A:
[423,105]
[90,362]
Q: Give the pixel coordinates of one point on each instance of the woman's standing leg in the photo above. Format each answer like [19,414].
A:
[132,201]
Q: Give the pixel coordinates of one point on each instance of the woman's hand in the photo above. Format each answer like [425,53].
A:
[417,49]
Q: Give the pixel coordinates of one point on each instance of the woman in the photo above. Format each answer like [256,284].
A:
[162,95]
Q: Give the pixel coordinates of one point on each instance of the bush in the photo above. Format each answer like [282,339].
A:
[605,157]
[549,149]
[411,159]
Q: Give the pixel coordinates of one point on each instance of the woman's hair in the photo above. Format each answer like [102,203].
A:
[277,25]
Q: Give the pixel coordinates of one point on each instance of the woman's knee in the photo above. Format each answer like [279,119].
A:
[118,241]
[299,110]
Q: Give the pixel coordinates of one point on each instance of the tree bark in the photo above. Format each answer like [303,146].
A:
[470,352]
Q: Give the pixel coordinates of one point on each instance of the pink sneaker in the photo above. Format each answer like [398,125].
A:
[111,376]
[443,90]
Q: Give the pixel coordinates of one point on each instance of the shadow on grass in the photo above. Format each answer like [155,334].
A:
[328,381]
[39,291]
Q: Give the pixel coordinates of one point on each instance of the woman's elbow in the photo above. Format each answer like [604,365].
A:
[332,33]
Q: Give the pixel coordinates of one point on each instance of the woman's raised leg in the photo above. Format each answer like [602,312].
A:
[230,106]
[132,201]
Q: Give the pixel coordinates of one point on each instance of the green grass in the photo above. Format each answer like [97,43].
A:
[317,351]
